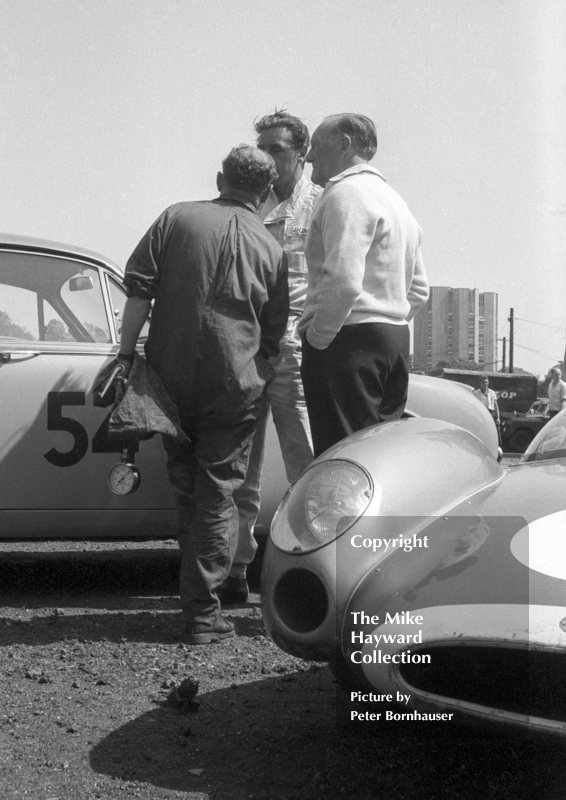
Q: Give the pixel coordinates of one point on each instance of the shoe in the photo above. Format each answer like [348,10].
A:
[234,591]
[206,632]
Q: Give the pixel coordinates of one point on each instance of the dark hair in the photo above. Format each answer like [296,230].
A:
[248,168]
[282,119]
[360,129]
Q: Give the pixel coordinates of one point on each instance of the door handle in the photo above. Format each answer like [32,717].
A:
[19,355]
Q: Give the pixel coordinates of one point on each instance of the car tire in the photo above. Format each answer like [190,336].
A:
[521,439]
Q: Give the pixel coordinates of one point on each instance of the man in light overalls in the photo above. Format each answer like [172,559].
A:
[286,214]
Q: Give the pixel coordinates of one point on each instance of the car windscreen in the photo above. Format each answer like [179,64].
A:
[550,442]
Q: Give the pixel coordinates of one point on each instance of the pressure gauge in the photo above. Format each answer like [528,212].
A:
[124,478]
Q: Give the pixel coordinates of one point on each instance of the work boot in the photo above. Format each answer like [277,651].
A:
[205,632]
[234,591]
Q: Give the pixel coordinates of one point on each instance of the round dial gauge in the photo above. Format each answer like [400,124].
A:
[124,478]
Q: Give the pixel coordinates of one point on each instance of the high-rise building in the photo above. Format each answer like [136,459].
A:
[456,323]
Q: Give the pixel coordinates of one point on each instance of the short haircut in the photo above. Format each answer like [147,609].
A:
[360,129]
[248,168]
[282,119]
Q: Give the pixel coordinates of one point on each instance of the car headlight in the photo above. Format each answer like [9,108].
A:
[325,501]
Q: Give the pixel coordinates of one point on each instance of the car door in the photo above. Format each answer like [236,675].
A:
[57,330]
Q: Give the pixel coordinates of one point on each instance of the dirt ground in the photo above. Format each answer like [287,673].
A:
[89,655]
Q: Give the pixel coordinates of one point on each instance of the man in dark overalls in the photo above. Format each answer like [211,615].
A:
[220,295]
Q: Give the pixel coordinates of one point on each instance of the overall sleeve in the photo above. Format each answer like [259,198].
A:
[141,277]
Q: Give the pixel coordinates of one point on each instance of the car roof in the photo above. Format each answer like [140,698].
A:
[14,241]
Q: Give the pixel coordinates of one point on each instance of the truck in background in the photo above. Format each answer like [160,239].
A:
[516,394]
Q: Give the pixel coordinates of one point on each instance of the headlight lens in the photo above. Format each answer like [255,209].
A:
[325,502]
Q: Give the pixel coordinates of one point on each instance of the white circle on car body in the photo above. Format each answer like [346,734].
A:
[541,545]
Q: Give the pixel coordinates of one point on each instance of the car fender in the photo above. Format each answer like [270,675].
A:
[420,469]
[436,398]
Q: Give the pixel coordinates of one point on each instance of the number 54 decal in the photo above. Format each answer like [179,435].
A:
[57,422]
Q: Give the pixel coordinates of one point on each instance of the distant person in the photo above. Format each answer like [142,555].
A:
[556,392]
[286,214]
[221,306]
[366,281]
[488,397]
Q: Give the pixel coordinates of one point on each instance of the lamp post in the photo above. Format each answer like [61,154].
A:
[511,336]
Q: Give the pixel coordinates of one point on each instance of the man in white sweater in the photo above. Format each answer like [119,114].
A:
[366,280]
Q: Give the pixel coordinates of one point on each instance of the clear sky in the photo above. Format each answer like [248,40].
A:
[113,109]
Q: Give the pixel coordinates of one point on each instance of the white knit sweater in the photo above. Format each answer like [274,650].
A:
[363,256]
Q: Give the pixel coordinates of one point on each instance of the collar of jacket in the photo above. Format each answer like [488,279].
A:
[354,171]
[230,199]
[283,209]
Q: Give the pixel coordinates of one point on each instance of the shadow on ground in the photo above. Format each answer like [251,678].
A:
[276,740]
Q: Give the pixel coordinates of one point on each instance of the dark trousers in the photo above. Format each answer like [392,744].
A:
[495,418]
[204,473]
[361,379]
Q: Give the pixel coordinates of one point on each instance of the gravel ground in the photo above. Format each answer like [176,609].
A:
[89,659]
